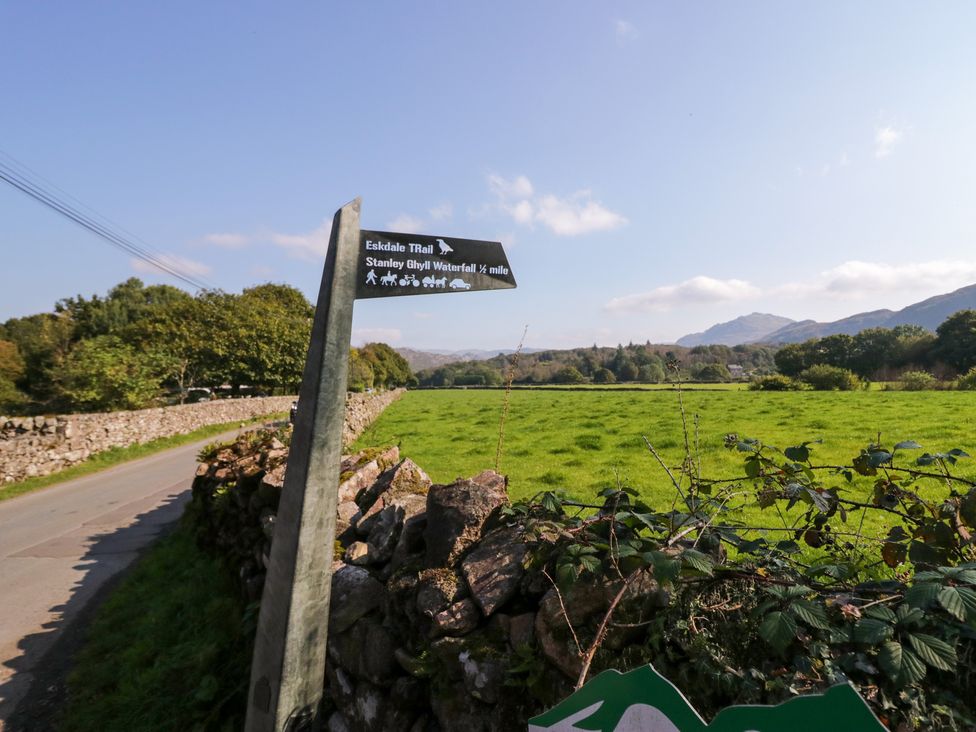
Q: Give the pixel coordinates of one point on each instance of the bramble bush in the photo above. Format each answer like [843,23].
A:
[757,611]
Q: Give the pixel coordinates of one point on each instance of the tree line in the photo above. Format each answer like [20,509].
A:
[140,345]
[886,353]
[633,363]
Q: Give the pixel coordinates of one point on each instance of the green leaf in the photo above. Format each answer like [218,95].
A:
[906,615]
[590,563]
[922,594]
[881,612]
[666,569]
[968,597]
[908,445]
[934,651]
[551,503]
[952,601]
[810,613]
[878,458]
[799,454]
[698,560]
[901,665]
[871,631]
[778,629]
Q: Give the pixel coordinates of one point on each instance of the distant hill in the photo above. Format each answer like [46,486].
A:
[928,313]
[744,329]
[420,360]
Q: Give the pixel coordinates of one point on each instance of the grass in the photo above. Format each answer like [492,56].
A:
[583,441]
[117,455]
[165,651]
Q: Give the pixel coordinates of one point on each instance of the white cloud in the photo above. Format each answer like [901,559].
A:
[406,223]
[624,30]
[362,336]
[179,264]
[311,246]
[520,187]
[578,214]
[885,139]
[441,212]
[227,241]
[697,290]
[857,280]
[570,216]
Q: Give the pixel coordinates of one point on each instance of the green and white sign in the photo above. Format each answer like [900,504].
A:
[644,701]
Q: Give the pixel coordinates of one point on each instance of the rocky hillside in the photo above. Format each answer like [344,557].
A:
[744,329]
[928,313]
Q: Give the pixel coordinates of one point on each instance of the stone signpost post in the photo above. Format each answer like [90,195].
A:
[288,669]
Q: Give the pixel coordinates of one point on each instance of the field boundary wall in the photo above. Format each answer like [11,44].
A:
[36,446]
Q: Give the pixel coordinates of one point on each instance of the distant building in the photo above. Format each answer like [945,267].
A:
[736,371]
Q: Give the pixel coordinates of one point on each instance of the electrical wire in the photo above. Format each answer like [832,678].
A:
[104,229]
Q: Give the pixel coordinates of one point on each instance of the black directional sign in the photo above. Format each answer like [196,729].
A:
[417,264]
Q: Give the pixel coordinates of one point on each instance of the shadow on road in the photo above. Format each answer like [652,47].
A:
[37,686]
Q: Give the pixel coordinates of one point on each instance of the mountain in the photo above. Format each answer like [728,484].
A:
[928,313]
[744,329]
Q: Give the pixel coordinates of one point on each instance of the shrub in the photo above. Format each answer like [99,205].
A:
[827,378]
[968,381]
[917,381]
[774,382]
[603,376]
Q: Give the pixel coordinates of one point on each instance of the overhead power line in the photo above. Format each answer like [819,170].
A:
[104,229]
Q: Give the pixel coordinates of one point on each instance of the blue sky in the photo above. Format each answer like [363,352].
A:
[652,168]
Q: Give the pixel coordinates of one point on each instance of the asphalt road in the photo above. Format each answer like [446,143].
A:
[58,546]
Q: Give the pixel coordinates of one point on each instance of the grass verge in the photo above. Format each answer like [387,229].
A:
[117,455]
[166,650]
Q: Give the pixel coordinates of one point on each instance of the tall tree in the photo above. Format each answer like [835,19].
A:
[105,374]
[956,340]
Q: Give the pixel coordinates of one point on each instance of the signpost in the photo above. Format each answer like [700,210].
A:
[644,701]
[288,669]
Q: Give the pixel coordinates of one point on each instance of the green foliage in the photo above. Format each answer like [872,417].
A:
[604,376]
[917,381]
[568,375]
[166,650]
[967,381]
[643,363]
[828,378]
[898,625]
[711,372]
[12,369]
[105,374]
[956,340]
[389,368]
[774,382]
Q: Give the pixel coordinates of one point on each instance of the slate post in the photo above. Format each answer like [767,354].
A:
[288,669]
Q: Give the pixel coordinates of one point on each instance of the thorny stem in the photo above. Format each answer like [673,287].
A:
[602,631]
[666,468]
[508,394]
[562,606]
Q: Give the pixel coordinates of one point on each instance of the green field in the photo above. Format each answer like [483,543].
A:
[583,441]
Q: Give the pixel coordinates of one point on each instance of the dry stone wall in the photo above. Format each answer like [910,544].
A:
[35,446]
[436,618]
